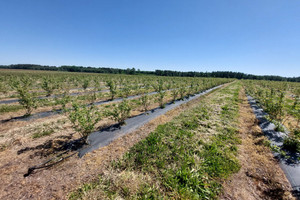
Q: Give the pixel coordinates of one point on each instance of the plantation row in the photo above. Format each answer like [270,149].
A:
[84,117]
[117,86]
[281,100]
[48,83]
[86,111]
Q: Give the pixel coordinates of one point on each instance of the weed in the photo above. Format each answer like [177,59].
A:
[43,133]
[10,108]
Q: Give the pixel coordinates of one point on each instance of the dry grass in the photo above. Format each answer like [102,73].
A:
[260,176]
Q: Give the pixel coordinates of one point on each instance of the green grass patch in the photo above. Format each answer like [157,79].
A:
[10,108]
[43,133]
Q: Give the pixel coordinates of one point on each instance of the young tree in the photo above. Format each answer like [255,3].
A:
[97,84]
[159,86]
[160,98]
[182,91]
[3,88]
[63,101]
[145,100]
[112,88]
[26,99]
[169,85]
[121,112]
[126,90]
[92,97]
[85,84]
[83,118]
[49,85]
[175,93]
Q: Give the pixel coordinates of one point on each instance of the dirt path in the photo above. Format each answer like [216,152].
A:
[58,181]
[260,176]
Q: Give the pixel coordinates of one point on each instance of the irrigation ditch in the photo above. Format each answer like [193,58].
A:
[289,163]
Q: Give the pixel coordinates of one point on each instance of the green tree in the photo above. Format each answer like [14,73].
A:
[85,84]
[121,111]
[112,88]
[83,118]
[49,85]
[26,99]
[145,100]
[174,93]
[182,91]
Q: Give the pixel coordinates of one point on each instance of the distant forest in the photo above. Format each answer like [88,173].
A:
[133,71]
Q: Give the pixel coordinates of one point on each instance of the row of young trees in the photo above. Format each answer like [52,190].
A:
[57,86]
[84,116]
[281,102]
[54,82]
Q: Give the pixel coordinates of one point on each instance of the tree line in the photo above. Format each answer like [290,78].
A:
[133,71]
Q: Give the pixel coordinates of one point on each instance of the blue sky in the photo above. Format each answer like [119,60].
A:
[250,36]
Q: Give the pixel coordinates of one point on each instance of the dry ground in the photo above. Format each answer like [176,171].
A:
[260,176]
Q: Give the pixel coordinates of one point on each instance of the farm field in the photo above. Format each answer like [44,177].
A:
[196,150]
[282,103]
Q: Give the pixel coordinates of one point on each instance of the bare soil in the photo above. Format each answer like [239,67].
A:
[260,176]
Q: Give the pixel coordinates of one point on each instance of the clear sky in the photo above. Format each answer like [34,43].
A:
[251,36]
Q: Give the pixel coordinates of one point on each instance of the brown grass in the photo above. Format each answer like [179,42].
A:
[260,176]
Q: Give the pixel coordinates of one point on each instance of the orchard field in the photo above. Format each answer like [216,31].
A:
[196,150]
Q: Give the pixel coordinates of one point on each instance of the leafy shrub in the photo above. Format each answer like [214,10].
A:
[26,99]
[291,144]
[112,88]
[182,91]
[120,112]
[49,85]
[3,88]
[85,84]
[63,101]
[126,90]
[160,98]
[83,118]
[174,93]
[145,101]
